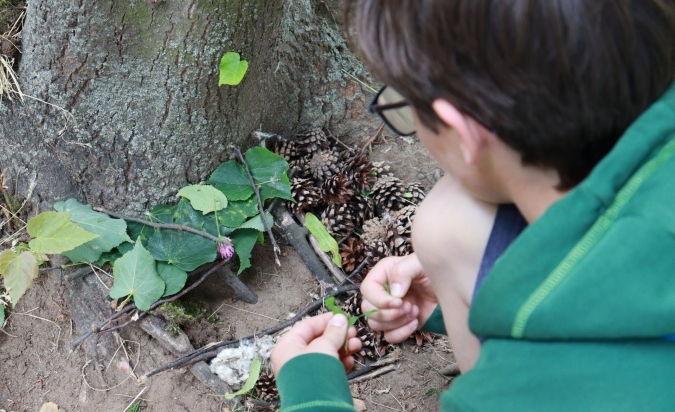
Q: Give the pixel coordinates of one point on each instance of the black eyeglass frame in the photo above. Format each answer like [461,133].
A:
[378,109]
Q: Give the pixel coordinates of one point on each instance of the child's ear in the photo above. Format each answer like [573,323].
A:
[467,129]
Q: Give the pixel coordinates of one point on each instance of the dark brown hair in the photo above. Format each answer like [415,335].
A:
[559,81]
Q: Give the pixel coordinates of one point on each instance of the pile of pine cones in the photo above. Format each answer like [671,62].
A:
[364,206]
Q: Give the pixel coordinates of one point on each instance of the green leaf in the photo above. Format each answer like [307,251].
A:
[243,241]
[238,212]
[253,376]
[257,223]
[185,250]
[18,271]
[54,233]
[113,255]
[232,69]
[269,173]
[174,278]
[135,275]
[204,198]
[162,214]
[2,316]
[112,232]
[231,179]
[326,241]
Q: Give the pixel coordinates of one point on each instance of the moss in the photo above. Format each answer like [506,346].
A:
[180,312]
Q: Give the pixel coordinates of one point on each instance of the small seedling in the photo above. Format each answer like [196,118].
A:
[351,320]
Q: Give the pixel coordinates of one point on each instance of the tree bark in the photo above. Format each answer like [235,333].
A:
[125,107]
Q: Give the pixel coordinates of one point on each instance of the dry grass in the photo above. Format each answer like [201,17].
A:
[9,84]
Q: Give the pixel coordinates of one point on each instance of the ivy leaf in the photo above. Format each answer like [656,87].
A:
[54,233]
[204,198]
[186,251]
[232,69]
[113,255]
[19,271]
[253,376]
[231,179]
[238,212]
[257,223]
[269,173]
[326,241]
[112,232]
[173,277]
[135,276]
[243,241]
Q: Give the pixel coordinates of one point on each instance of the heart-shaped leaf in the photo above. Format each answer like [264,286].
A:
[186,251]
[204,198]
[237,213]
[112,232]
[135,275]
[269,173]
[232,69]
[18,271]
[54,233]
[231,178]
[257,223]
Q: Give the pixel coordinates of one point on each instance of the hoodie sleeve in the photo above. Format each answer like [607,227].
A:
[314,382]
[435,322]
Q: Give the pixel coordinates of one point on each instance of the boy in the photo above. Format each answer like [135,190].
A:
[565,109]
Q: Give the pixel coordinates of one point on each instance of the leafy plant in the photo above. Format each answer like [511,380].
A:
[351,320]
[151,256]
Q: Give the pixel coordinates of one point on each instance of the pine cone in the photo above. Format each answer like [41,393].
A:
[362,209]
[311,142]
[266,387]
[414,193]
[337,189]
[388,194]
[404,218]
[353,304]
[385,237]
[306,195]
[324,164]
[360,171]
[286,148]
[338,220]
[353,252]
[381,170]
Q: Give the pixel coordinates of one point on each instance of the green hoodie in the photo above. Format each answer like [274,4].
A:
[579,311]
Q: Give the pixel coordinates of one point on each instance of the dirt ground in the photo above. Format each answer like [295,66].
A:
[37,365]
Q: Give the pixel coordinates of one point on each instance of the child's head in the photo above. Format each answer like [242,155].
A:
[556,80]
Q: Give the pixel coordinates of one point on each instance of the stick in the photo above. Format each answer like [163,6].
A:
[275,247]
[332,268]
[372,139]
[374,374]
[170,226]
[127,309]
[211,350]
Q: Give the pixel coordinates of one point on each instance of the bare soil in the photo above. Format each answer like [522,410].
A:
[37,365]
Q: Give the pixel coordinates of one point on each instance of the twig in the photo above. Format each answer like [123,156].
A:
[358,270]
[332,268]
[366,369]
[211,350]
[126,310]
[374,374]
[268,229]
[372,139]
[170,226]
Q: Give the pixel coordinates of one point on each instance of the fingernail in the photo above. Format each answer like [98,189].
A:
[338,320]
[396,290]
[413,324]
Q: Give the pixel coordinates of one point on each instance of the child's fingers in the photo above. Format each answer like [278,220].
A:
[401,334]
[311,328]
[374,286]
[333,337]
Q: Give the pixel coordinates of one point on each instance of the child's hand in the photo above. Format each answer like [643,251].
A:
[398,287]
[320,334]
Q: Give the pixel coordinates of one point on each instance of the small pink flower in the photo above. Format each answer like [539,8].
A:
[225,251]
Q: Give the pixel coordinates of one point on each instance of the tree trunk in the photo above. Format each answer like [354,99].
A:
[124,106]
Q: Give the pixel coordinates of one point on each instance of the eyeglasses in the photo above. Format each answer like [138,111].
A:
[394,111]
